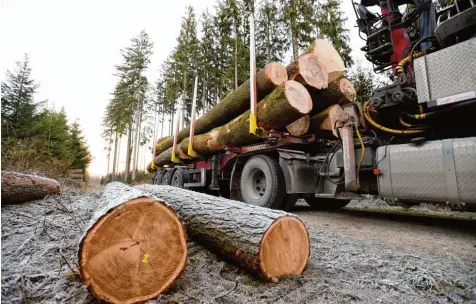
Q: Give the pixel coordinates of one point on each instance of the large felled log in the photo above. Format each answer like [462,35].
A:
[134,249]
[287,103]
[234,104]
[340,91]
[271,243]
[325,120]
[308,70]
[329,57]
[299,127]
[19,188]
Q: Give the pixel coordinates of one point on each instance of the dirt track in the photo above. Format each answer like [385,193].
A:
[355,258]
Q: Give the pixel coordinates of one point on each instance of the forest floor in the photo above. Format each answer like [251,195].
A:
[358,255]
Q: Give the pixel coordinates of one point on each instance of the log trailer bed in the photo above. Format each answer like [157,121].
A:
[414,141]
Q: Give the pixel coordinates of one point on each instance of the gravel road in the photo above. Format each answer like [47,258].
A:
[356,257]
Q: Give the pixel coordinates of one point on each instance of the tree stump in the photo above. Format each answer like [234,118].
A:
[135,247]
[270,243]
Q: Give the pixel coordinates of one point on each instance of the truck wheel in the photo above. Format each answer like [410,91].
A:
[177,179]
[262,182]
[158,178]
[325,204]
[167,178]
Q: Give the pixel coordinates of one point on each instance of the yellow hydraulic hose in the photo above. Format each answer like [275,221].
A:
[405,124]
[404,61]
[363,151]
[385,129]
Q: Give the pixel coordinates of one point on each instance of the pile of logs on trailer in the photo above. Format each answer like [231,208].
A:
[135,246]
[296,105]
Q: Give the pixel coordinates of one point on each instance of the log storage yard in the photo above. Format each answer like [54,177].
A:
[277,181]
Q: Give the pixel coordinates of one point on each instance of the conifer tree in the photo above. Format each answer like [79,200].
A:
[364,82]
[270,34]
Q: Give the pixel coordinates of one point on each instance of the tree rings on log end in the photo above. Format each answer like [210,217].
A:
[313,71]
[329,56]
[298,96]
[347,90]
[276,73]
[299,127]
[284,248]
[133,253]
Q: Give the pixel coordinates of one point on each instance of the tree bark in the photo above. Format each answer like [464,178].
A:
[128,153]
[114,162]
[234,104]
[329,57]
[270,243]
[19,188]
[134,249]
[308,70]
[287,103]
[299,127]
[340,91]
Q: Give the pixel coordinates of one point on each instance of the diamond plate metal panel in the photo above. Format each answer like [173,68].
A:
[418,172]
[447,72]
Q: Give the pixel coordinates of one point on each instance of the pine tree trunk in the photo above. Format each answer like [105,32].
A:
[266,242]
[118,156]
[268,40]
[234,104]
[128,153]
[308,70]
[287,103]
[236,56]
[340,91]
[109,153]
[329,57]
[19,188]
[134,249]
[114,162]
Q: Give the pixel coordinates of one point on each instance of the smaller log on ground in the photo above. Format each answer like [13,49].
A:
[299,127]
[134,249]
[270,243]
[287,103]
[19,188]
[329,57]
[308,70]
[340,91]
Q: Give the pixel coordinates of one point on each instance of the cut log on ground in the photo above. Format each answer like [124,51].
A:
[270,243]
[20,188]
[286,104]
[135,247]
[299,127]
[329,57]
[233,105]
[340,91]
[308,70]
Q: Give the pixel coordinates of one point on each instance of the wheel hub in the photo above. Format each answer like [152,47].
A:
[258,180]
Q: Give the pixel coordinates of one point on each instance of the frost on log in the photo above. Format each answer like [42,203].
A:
[287,103]
[19,188]
[234,104]
[134,249]
[270,243]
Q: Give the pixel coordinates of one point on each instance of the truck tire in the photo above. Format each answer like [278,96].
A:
[177,179]
[158,178]
[325,204]
[167,178]
[262,182]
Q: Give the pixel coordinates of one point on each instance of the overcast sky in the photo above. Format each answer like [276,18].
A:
[74,45]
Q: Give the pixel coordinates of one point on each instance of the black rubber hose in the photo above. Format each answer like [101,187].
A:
[438,113]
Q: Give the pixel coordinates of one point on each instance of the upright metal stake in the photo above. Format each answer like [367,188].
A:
[190,151]
[177,129]
[253,124]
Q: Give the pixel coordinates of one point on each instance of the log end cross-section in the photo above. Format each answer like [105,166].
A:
[134,252]
[284,248]
[276,73]
[298,97]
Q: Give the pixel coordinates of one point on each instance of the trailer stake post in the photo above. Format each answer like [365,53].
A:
[253,123]
[190,150]
[173,158]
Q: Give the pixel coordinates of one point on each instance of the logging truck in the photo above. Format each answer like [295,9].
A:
[269,144]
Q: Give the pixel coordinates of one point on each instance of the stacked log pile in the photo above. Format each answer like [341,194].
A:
[294,99]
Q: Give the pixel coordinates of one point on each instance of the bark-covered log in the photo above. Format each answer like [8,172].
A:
[233,105]
[299,127]
[329,57]
[340,91]
[308,70]
[324,121]
[135,247]
[270,243]
[287,103]
[19,188]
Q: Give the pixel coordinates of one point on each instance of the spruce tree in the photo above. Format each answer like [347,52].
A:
[331,25]
[18,105]
[79,150]
[364,82]
[270,34]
